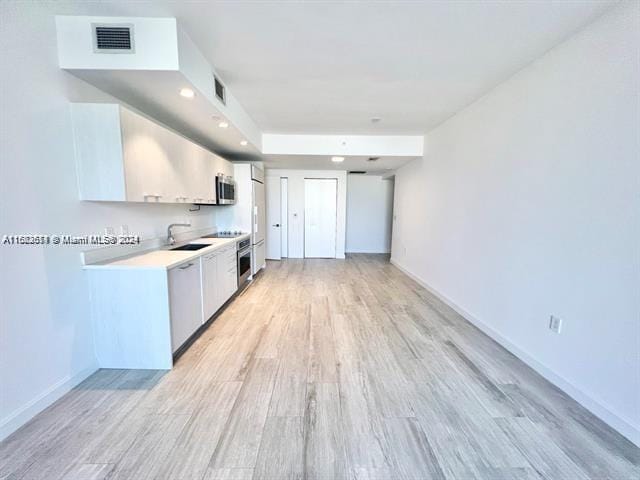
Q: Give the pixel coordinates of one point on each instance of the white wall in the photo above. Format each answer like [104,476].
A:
[526,204]
[296,206]
[45,330]
[369,211]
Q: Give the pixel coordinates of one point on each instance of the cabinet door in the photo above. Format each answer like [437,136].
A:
[226,265]
[147,164]
[232,281]
[185,302]
[210,286]
[233,272]
[258,259]
[198,175]
[176,184]
[209,175]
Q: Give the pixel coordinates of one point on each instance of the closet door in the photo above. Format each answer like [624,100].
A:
[320,217]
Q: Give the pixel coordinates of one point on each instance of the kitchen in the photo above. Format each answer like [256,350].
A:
[265,240]
[124,156]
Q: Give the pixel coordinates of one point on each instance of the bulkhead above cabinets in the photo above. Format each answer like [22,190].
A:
[123,156]
[151,64]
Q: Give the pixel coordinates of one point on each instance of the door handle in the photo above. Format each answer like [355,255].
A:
[277,225]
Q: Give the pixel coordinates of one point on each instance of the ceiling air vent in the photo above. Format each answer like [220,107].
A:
[113,38]
[219,90]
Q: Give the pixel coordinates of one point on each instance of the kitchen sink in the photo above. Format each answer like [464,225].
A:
[192,246]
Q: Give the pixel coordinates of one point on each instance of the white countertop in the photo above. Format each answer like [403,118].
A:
[165,258]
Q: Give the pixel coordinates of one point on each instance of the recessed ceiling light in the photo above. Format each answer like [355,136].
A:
[375,119]
[187,93]
[223,124]
[244,143]
[337,159]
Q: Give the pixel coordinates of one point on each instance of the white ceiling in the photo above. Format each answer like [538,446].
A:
[328,67]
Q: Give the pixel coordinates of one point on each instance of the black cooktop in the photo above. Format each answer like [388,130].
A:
[224,235]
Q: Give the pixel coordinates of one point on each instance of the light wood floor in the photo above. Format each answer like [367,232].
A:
[324,369]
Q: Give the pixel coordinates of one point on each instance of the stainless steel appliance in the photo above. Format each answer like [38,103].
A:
[225,190]
[244,261]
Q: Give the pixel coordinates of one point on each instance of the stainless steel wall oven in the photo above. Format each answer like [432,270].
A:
[244,261]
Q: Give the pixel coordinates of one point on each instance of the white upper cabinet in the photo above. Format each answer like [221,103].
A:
[198,169]
[147,160]
[123,156]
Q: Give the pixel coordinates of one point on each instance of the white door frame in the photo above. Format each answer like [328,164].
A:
[284,217]
[273,234]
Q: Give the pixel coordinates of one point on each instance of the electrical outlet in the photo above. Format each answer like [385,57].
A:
[109,231]
[555,324]
[124,229]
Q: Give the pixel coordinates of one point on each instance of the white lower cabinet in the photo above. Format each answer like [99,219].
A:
[228,273]
[185,302]
[219,280]
[142,316]
[210,286]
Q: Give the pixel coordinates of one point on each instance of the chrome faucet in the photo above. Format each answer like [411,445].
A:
[170,238]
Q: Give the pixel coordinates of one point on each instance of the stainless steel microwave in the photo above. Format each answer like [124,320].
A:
[225,190]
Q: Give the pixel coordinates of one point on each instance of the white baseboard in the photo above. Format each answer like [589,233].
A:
[22,415]
[369,251]
[624,427]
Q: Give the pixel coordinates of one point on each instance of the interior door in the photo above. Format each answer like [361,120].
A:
[274,218]
[320,217]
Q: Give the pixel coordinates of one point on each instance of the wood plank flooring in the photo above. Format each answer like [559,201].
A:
[324,369]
